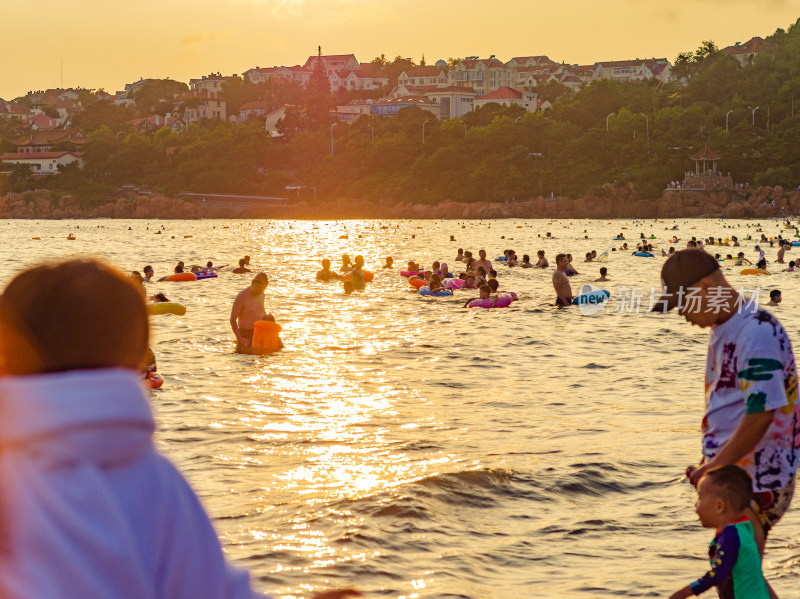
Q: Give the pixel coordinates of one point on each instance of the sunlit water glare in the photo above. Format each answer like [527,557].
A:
[413,448]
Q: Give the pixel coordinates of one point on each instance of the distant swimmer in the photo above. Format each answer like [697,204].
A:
[389,262]
[561,283]
[357,273]
[571,270]
[526,261]
[326,274]
[774,297]
[347,265]
[241,269]
[603,278]
[460,256]
[542,262]
[178,270]
[148,273]
[248,307]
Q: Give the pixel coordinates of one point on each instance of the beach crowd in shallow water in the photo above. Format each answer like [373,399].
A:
[92,507]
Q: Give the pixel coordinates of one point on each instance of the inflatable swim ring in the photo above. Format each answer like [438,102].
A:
[409,273]
[265,337]
[753,271]
[501,259]
[206,275]
[418,283]
[153,380]
[166,308]
[454,283]
[182,276]
[644,255]
[592,297]
[502,300]
[426,291]
[368,276]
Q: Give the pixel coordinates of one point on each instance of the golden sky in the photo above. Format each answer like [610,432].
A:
[107,43]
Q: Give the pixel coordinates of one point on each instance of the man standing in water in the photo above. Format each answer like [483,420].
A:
[561,282]
[752,414]
[487,266]
[248,307]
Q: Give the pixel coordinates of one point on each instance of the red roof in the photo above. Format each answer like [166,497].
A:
[503,93]
[42,121]
[37,155]
[51,136]
[705,154]
[752,46]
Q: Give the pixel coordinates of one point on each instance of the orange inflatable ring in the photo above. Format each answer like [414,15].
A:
[417,283]
[265,337]
[154,380]
[182,276]
[368,276]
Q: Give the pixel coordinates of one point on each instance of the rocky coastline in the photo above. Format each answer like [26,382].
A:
[608,202]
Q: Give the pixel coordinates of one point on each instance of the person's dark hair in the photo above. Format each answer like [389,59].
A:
[209,264]
[560,257]
[241,262]
[734,485]
[146,268]
[692,244]
[179,268]
[774,293]
[485,288]
[526,258]
[603,271]
[492,273]
[160,297]
[73,315]
[493,284]
[762,264]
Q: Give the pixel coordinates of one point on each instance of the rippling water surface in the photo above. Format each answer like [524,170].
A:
[414,448]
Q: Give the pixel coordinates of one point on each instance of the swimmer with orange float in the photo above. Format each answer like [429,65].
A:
[248,307]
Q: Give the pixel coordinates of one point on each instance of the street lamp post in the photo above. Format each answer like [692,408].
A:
[332,126]
[423,130]
[753,110]
[373,132]
[727,114]
[608,117]
[647,124]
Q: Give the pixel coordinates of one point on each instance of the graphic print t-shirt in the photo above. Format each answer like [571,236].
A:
[750,369]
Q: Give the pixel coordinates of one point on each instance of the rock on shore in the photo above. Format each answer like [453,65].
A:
[608,202]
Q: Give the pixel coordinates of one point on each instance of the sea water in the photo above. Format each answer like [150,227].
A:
[411,447]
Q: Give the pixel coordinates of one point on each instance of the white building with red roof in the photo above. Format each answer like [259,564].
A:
[634,70]
[200,104]
[333,62]
[42,122]
[256,109]
[357,79]
[44,140]
[41,163]
[212,83]
[423,76]
[259,74]
[484,75]
[509,96]
[155,122]
[746,52]
[531,61]
[349,113]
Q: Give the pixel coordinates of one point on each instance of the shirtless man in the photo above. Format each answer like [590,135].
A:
[487,266]
[241,269]
[248,307]
[357,274]
[326,274]
[561,283]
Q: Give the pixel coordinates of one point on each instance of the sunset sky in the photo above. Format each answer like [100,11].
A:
[105,44]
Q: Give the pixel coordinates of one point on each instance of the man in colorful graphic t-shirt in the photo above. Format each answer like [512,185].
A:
[752,415]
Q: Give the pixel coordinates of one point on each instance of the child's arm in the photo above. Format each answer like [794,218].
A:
[683,593]
[725,556]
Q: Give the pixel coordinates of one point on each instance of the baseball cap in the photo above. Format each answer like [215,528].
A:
[444,264]
[683,270]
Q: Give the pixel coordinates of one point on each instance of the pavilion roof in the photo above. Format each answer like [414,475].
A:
[705,154]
